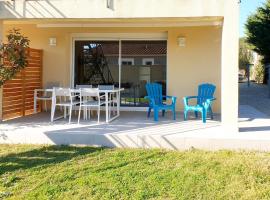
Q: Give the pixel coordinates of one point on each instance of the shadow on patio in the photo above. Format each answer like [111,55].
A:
[131,130]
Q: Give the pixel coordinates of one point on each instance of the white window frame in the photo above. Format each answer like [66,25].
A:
[144,60]
[127,60]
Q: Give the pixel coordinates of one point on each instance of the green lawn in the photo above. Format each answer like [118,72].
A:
[40,172]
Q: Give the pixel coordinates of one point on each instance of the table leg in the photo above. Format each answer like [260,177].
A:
[107,106]
[65,112]
[118,102]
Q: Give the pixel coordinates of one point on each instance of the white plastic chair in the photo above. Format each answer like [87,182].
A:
[92,93]
[69,101]
[85,112]
[112,97]
[46,96]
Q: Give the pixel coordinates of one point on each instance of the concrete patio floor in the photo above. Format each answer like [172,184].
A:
[135,130]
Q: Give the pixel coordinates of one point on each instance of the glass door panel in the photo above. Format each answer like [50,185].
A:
[96,63]
[142,62]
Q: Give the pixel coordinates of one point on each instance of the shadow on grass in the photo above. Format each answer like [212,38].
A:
[42,157]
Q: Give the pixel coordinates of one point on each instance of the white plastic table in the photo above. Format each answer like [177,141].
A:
[107,102]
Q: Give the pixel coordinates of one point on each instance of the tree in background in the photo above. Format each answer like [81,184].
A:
[257,30]
[245,54]
[259,73]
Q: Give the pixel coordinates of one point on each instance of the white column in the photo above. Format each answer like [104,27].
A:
[229,67]
[1,89]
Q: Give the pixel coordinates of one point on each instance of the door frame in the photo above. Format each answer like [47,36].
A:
[154,36]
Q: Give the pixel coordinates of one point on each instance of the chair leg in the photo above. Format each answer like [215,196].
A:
[114,110]
[149,112]
[211,113]
[155,114]
[163,113]
[98,113]
[196,114]
[46,105]
[185,115]
[173,111]
[84,113]
[110,111]
[79,114]
[204,114]
[70,113]
[52,112]
[65,112]
[88,113]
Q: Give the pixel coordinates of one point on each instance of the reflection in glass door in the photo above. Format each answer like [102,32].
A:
[97,63]
[142,62]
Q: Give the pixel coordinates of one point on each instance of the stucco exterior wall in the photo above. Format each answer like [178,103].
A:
[121,9]
[198,62]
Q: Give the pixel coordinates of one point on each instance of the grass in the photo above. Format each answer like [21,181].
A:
[61,172]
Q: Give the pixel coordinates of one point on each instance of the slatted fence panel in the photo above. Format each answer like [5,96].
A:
[18,93]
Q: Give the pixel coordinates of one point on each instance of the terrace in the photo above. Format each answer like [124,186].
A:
[135,130]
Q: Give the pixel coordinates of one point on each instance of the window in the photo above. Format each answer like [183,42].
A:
[148,61]
[127,61]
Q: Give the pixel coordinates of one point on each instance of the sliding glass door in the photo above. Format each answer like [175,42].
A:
[141,62]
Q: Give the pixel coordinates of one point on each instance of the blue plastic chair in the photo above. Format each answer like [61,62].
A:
[155,97]
[204,101]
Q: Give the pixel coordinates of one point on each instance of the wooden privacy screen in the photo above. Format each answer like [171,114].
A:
[18,93]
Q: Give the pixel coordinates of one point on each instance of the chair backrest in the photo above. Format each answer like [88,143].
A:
[154,91]
[89,92]
[205,91]
[105,87]
[61,92]
[83,86]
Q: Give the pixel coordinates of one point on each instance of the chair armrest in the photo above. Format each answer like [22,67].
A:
[151,100]
[40,92]
[186,99]
[102,96]
[171,97]
[210,100]
[73,96]
[191,97]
